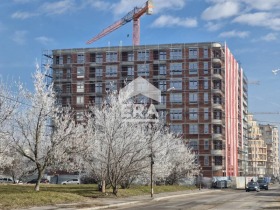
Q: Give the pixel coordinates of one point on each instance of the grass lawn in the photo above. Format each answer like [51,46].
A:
[24,196]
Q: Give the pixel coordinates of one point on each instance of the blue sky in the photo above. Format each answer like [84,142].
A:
[251,29]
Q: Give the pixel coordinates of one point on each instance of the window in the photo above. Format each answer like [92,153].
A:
[206,160]
[193,84]
[79,116]
[176,128]
[130,56]
[206,128]
[143,55]
[80,87]
[175,54]
[80,100]
[58,89]
[98,72]
[162,85]
[98,87]
[206,144]
[205,52]
[193,128]
[81,58]
[205,68]
[205,98]
[206,113]
[68,73]
[217,114]
[217,129]
[99,58]
[193,68]
[176,97]
[192,98]
[111,56]
[177,84]
[68,100]
[218,160]
[163,99]
[162,69]
[193,52]
[162,55]
[205,83]
[68,88]
[193,113]
[176,114]
[59,60]
[80,72]
[111,71]
[175,68]
[130,71]
[98,100]
[58,74]
[111,85]
[193,143]
[143,69]
[69,59]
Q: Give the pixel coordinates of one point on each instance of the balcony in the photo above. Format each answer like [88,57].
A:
[217,152]
[216,45]
[217,106]
[217,121]
[217,136]
[217,168]
[217,91]
[217,60]
[217,76]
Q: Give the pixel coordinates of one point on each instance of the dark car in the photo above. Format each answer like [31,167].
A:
[263,184]
[253,186]
[33,181]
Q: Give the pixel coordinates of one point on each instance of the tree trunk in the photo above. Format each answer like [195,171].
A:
[37,186]
[103,186]
[115,190]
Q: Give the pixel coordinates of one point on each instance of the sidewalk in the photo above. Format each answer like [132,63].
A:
[103,203]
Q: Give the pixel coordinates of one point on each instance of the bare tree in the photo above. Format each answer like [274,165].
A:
[9,103]
[119,146]
[44,132]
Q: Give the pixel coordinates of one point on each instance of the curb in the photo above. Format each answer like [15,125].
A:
[110,205]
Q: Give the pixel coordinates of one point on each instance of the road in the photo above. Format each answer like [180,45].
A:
[218,200]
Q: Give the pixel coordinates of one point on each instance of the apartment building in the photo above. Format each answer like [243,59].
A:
[257,150]
[203,92]
[271,138]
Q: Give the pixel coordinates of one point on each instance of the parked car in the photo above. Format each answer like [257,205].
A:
[71,181]
[6,180]
[33,181]
[263,184]
[253,186]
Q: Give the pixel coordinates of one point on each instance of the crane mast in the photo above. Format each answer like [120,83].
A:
[134,15]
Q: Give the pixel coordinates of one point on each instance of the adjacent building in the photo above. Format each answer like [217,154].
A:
[203,92]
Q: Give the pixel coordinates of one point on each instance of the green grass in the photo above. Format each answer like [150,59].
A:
[24,196]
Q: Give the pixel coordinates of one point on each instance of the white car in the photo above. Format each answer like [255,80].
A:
[71,181]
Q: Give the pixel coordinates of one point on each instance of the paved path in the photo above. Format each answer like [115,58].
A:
[103,203]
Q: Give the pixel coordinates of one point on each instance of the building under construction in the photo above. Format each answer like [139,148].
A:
[203,92]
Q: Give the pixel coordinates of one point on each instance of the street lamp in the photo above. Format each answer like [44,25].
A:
[200,177]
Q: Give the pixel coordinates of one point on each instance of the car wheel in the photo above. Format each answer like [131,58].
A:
[266,188]
[64,183]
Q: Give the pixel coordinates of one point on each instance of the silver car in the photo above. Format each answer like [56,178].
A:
[71,181]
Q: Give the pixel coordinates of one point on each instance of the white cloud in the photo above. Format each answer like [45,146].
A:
[263,19]
[58,7]
[169,21]
[263,4]
[269,37]
[22,15]
[97,4]
[213,26]
[44,40]
[19,37]
[234,33]
[221,10]
[124,6]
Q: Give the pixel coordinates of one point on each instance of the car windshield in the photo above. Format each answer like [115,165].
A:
[261,181]
[252,183]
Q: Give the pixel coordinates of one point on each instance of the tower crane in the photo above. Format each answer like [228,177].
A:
[134,15]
